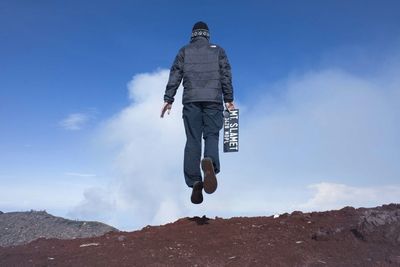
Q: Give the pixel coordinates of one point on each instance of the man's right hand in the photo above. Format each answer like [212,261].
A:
[230,106]
[166,106]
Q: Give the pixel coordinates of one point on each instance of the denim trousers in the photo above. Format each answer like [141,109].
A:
[201,120]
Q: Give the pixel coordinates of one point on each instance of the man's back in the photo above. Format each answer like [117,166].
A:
[205,71]
[201,72]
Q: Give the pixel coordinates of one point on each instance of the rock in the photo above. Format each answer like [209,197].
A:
[324,234]
[357,234]
[380,224]
[297,213]
[23,227]
[121,238]
[89,245]
[394,259]
[320,235]
[348,209]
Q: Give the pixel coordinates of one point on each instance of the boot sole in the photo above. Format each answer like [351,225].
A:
[210,180]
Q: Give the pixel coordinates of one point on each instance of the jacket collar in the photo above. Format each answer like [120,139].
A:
[199,39]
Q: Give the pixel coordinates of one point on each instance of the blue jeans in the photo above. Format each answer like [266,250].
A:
[201,119]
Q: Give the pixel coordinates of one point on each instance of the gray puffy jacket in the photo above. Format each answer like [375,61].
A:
[205,71]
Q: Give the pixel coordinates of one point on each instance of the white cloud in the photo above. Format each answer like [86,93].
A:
[75,121]
[97,204]
[326,128]
[328,196]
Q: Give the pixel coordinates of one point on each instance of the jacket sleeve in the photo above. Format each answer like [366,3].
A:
[226,76]
[175,77]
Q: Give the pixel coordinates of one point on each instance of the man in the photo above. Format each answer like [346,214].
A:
[207,82]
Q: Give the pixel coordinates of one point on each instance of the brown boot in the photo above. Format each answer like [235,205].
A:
[197,194]
[210,180]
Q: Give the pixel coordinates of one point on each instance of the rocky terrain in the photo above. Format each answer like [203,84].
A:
[23,227]
[345,237]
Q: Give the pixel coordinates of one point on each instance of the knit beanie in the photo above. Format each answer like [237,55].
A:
[200,29]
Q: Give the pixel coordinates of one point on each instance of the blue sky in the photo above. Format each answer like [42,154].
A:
[66,64]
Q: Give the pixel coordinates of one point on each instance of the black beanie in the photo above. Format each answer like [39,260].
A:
[200,29]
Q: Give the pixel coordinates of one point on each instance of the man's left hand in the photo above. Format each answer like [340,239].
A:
[230,106]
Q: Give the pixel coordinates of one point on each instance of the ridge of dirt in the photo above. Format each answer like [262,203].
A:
[18,228]
[345,237]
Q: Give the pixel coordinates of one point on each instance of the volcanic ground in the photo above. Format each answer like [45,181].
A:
[345,237]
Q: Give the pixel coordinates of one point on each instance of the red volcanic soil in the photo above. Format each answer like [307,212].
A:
[346,237]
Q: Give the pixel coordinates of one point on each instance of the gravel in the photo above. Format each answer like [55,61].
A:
[18,228]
